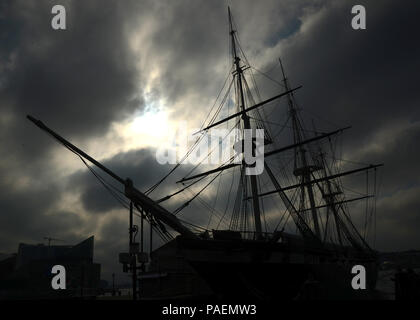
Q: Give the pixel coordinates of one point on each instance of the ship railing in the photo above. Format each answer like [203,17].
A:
[238,235]
[252,235]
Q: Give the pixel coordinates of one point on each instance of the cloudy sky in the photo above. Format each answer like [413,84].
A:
[124,73]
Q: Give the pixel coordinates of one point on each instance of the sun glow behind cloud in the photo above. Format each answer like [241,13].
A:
[150,129]
[152,126]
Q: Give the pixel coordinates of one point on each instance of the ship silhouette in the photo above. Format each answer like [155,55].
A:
[246,258]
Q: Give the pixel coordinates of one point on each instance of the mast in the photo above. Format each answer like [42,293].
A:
[305,170]
[246,125]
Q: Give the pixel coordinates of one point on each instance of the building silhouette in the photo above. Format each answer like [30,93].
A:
[27,274]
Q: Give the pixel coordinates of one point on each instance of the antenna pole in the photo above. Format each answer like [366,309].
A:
[133,255]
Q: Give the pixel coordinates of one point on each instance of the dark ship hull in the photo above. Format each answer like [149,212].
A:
[271,271]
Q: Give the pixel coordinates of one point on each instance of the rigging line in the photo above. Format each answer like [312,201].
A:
[101,179]
[197,227]
[242,207]
[162,233]
[228,200]
[262,207]
[326,223]
[320,216]
[353,229]
[292,199]
[207,206]
[215,147]
[121,201]
[258,119]
[106,184]
[249,94]
[278,107]
[346,213]
[179,191]
[295,196]
[198,140]
[286,221]
[268,77]
[234,218]
[348,189]
[220,92]
[212,121]
[367,205]
[276,65]
[290,127]
[374,212]
[151,189]
[240,49]
[214,211]
[256,86]
[222,103]
[282,170]
[252,76]
[257,89]
[277,171]
[282,128]
[157,225]
[194,225]
[372,220]
[189,201]
[322,119]
[214,202]
[371,223]
[345,160]
[166,237]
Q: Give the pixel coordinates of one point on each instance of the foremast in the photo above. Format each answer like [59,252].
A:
[246,126]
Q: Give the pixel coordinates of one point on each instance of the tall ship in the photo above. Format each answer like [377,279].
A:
[285,233]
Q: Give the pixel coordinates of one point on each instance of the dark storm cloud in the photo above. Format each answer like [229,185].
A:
[367,79]
[364,78]
[25,216]
[190,45]
[114,235]
[398,148]
[193,40]
[80,79]
[398,219]
[138,165]
[398,187]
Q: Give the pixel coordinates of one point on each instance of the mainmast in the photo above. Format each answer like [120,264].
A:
[304,167]
[246,125]
[304,170]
